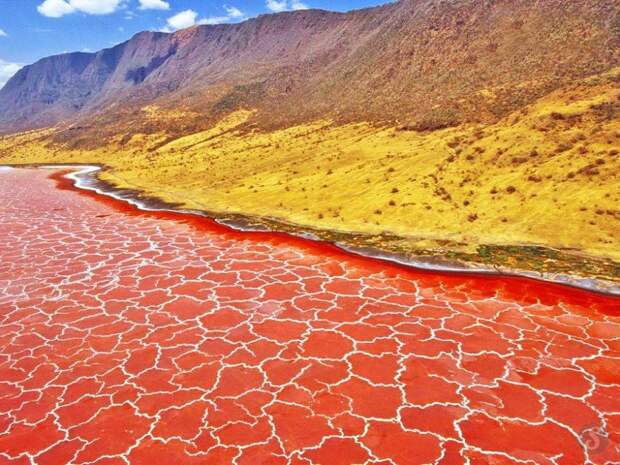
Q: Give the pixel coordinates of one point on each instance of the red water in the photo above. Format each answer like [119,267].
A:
[131,337]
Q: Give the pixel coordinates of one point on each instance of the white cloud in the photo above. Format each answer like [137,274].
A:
[189,18]
[7,70]
[96,7]
[181,20]
[154,5]
[278,6]
[297,5]
[233,12]
[55,8]
[3,34]
[58,8]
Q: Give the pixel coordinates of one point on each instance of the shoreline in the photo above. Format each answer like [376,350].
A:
[83,177]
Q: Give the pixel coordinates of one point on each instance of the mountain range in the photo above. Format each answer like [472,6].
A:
[421,63]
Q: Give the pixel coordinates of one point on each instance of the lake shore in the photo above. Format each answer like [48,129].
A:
[85,176]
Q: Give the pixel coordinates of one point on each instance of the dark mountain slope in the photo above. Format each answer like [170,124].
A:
[427,63]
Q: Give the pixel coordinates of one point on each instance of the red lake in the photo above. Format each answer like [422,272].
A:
[132,337]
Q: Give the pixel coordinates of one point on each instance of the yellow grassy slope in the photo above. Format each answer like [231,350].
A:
[547,175]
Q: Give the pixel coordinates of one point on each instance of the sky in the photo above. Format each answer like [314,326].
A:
[33,29]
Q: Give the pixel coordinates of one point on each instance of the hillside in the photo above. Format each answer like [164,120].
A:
[538,190]
[426,63]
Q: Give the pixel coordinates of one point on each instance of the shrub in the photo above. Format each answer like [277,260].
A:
[439,118]
[563,148]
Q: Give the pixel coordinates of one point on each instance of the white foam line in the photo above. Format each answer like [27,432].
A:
[84,177]
[86,174]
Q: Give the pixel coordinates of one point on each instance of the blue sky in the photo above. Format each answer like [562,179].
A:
[32,29]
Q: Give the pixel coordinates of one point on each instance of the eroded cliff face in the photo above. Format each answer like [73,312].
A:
[422,63]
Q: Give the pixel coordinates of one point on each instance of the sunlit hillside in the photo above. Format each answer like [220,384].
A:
[546,175]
